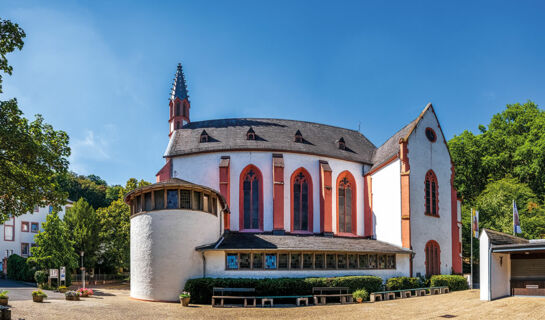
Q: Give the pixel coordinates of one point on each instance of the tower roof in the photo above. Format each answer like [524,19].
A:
[179,87]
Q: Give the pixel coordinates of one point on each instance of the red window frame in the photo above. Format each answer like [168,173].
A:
[346,180]
[431,195]
[243,176]
[28,249]
[27,224]
[433,258]
[35,224]
[12,226]
[301,175]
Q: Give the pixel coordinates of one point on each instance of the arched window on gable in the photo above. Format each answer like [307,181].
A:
[433,258]
[346,203]
[251,199]
[301,201]
[177,108]
[431,195]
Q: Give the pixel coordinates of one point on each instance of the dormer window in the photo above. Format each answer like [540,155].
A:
[298,137]
[204,136]
[250,135]
[342,144]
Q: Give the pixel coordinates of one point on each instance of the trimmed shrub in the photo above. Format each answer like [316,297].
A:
[19,269]
[453,282]
[401,283]
[201,288]
[40,276]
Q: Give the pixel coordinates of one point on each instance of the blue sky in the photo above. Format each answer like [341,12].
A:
[102,70]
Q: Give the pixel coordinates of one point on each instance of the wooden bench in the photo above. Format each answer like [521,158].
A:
[320,294]
[270,299]
[220,293]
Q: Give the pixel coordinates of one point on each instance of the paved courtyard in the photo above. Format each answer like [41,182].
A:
[114,303]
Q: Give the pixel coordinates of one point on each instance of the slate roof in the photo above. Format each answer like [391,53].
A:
[391,147]
[500,238]
[179,87]
[271,135]
[268,241]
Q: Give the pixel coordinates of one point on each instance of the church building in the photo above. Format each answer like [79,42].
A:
[261,198]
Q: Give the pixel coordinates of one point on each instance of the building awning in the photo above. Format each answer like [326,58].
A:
[268,241]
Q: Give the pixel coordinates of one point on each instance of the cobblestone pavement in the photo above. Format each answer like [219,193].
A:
[116,304]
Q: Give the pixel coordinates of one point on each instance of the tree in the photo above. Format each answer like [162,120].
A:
[114,252]
[53,246]
[11,38]
[32,154]
[82,225]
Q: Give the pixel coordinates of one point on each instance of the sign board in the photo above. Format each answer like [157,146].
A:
[53,273]
[63,274]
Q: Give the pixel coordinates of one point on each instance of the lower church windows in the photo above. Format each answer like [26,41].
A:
[308,261]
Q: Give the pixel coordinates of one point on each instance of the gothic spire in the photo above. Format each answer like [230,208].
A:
[179,87]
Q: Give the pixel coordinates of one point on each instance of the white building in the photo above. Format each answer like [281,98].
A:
[510,266]
[17,234]
[300,199]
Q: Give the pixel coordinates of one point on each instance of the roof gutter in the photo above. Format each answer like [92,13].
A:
[518,249]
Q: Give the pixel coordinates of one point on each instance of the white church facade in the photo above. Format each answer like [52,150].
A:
[262,198]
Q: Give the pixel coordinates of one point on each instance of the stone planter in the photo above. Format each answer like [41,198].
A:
[84,295]
[185,301]
[63,290]
[4,301]
[38,298]
[72,298]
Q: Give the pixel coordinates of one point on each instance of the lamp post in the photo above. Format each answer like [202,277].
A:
[82,271]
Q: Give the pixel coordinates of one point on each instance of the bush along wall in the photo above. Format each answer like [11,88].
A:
[401,283]
[19,269]
[453,282]
[201,289]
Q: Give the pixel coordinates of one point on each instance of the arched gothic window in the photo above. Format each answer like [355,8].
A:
[251,199]
[346,203]
[301,204]
[177,108]
[431,195]
[433,258]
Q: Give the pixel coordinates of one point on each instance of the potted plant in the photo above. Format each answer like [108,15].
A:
[62,289]
[38,296]
[85,292]
[72,295]
[4,298]
[360,295]
[184,298]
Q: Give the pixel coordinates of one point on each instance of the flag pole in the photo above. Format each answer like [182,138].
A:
[471,259]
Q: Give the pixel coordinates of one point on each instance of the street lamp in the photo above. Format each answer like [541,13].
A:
[82,270]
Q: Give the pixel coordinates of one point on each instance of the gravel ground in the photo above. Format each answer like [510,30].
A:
[112,303]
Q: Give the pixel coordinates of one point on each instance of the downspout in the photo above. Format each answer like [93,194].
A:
[203,264]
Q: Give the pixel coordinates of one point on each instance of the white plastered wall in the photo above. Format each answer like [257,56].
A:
[203,169]
[163,254]
[215,268]
[423,156]
[386,190]
[494,270]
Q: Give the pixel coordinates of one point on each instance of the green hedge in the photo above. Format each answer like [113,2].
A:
[19,269]
[401,283]
[201,289]
[454,282]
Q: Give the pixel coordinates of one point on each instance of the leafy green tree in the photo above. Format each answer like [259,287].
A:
[11,38]
[83,228]
[114,222]
[32,154]
[53,246]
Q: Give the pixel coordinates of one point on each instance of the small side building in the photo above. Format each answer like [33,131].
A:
[510,266]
